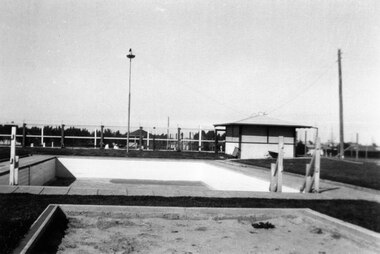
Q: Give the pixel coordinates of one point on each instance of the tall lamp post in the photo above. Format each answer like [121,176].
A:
[130,56]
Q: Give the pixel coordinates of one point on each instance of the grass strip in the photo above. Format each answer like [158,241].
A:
[365,175]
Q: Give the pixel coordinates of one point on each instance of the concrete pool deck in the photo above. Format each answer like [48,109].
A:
[330,189]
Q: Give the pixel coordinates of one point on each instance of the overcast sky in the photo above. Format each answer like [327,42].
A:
[199,62]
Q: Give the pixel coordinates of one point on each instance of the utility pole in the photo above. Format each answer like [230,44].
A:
[130,56]
[341,133]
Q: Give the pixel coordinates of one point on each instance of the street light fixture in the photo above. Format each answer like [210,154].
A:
[130,56]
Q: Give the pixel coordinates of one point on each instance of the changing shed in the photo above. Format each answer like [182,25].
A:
[255,136]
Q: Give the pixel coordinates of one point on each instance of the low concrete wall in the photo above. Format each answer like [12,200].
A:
[34,174]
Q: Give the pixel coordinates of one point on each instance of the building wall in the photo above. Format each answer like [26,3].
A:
[257,151]
[256,141]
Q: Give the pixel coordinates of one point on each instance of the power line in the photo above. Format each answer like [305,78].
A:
[196,91]
[302,92]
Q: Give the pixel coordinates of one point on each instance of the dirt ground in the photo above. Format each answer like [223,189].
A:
[106,232]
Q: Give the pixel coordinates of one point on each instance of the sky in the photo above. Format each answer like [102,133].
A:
[197,62]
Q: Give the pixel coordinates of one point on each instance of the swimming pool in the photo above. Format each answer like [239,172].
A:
[214,176]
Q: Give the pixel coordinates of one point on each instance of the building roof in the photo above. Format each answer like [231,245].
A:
[264,120]
[136,133]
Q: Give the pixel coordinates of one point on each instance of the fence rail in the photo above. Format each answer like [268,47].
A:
[150,138]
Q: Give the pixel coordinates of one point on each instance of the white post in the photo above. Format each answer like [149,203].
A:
[12,157]
[273,178]
[95,138]
[308,179]
[280,162]
[200,139]
[42,136]
[317,166]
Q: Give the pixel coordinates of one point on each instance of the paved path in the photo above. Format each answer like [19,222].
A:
[331,190]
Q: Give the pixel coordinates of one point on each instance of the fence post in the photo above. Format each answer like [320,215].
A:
[317,167]
[179,140]
[95,137]
[23,135]
[12,157]
[42,136]
[154,139]
[140,139]
[200,139]
[102,137]
[280,162]
[62,136]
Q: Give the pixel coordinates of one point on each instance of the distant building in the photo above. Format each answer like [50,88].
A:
[256,136]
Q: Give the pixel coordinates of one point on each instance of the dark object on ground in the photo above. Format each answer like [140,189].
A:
[364,175]
[265,225]
[19,211]
[274,155]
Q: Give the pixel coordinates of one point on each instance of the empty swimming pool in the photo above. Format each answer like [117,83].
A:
[213,176]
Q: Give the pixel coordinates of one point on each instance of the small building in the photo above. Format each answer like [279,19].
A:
[256,136]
